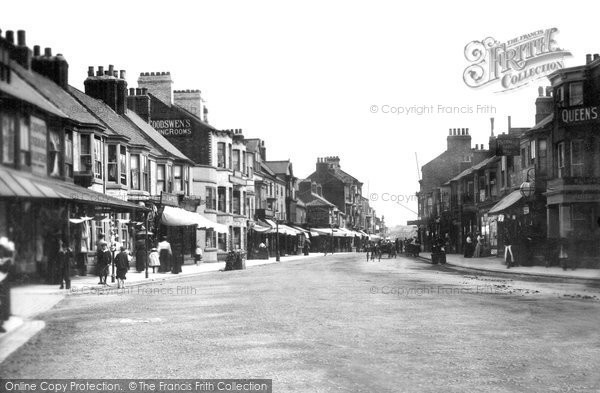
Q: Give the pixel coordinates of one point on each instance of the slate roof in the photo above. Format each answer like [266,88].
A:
[57,95]
[21,90]
[278,167]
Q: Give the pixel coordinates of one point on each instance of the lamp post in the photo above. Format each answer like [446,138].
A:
[527,188]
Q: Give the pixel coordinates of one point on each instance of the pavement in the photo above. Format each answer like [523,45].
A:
[28,301]
[497,265]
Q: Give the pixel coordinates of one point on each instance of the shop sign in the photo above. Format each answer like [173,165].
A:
[579,115]
[39,146]
[507,145]
[169,199]
[174,127]
[525,209]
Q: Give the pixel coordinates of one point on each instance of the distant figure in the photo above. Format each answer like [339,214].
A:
[468,246]
[154,259]
[479,246]
[165,254]
[507,238]
[103,262]
[140,254]
[198,255]
[122,265]
[64,264]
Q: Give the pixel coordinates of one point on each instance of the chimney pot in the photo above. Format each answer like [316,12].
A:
[596,56]
[131,91]
[588,58]
[36,50]
[115,73]
[111,69]
[21,38]
[122,74]
[10,36]
[449,131]
[548,91]
[48,52]
[91,71]
[152,74]
[144,91]
[509,124]
[467,130]
[540,91]
[138,91]
[100,71]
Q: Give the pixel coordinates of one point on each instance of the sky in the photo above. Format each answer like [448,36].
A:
[314,78]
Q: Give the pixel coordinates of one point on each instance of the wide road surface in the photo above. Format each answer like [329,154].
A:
[330,324]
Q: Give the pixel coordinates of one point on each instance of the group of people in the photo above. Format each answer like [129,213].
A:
[104,260]
[474,245]
[374,250]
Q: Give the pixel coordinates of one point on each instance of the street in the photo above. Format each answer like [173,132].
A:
[329,324]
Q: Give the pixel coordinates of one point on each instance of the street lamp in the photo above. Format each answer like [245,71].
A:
[527,188]
[277,256]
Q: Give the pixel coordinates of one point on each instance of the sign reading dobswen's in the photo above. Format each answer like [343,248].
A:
[175,127]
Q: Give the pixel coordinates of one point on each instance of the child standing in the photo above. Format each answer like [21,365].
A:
[154,259]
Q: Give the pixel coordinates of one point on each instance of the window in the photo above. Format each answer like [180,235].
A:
[99,158]
[54,154]
[532,152]
[123,159]
[145,170]
[560,97]
[221,155]
[222,241]
[169,178]
[576,93]
[210,238]
[222,207]
[542,156]
[229,156]
[236,160]
[8,139]
[85,153]
[25,155]
[503,172]
[134,162]
[160,179]
[211,198]
[237,237]
[178,178]
[560,159]
[577,158]
[237,207]
[112,163]
[230,194]
[244,161]
[523,157]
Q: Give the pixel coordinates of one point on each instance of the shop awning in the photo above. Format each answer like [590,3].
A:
[301,230]
[259,227]
[176,217]
[17,184]
[329,231]
[374,237]
[506,202]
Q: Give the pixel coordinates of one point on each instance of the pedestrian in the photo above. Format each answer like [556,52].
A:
[103,261]
[468,246]
[154,259]
[7,252]
[368,249]
[198,254]
[64,264]
[122,265]
[507,239]
[140,254]
[479,246]
[165,254]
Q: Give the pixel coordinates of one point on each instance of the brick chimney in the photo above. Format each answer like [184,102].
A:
[159,84]
[138,101]
[262,150]
[458,139]
[543,104]
[190,100]
[327,163]
[109,86]
[21,53]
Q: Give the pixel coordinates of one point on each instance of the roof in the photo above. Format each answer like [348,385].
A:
[252,145]
[196,117]
[506,202]
[57,95]
[264,168]
[544,122]
[279,167]
[314,200]
[155,135]
[473,168]
[19,89]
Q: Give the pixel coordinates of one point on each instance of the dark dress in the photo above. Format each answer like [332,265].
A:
[122,265]
[165,260]
[103,263]
[64,267]
[140,255]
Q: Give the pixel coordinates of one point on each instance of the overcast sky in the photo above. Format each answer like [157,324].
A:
[303,76]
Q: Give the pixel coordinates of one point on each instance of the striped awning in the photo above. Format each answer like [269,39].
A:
[18,184]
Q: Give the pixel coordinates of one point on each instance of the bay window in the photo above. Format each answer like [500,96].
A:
[123,160]
[98,158]
[25,154]
[229,156]
[576,93]
[54,154]
[160,179]
[8,138]
[134,162]
[145,170]
[560,159]
[85,152]
[221,155]
[178,178]
[236,160]
[211,198]
[112,164]
[577,158]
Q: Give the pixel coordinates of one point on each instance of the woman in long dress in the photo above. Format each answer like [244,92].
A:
[165,254]
[140,254]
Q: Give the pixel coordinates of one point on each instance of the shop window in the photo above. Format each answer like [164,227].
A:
[98,158]
[237,237]
[85,152]
[8,138]
[178,178]
[160,179]
[576,93]
[123,160]
[24,149]
[112,164]
[560,159]
[221,155]
[210,238]
[134,162]
[54,154]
